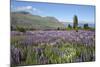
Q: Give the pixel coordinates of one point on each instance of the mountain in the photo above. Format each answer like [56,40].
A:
[29,21]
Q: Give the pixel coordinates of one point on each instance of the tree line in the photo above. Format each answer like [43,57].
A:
[76,27]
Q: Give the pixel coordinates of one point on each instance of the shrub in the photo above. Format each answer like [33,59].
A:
[69,26]
[58,28]
[86,26]
[21,29]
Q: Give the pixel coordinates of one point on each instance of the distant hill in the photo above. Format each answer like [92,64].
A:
[29,21]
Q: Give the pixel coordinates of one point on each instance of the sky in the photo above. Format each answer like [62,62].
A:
[63,12]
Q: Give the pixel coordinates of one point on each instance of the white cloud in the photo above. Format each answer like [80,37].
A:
[28,8]
[35,10]
[23,8]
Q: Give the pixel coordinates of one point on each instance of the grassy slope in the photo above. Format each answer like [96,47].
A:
[34,21]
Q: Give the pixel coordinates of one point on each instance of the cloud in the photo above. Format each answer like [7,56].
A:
[35,10]
[28,9]
[23,8]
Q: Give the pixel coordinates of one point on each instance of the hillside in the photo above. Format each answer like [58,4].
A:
[29,21]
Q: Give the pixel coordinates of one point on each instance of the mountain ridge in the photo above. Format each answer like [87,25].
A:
[27,20]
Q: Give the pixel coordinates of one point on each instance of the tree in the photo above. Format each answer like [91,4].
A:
[86,26]
[75,22]
[69,26]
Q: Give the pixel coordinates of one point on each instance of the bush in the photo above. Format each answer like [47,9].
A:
[86,26]
[58,28]
[21,29]
[69,26]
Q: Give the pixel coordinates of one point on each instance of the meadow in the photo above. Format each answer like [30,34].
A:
[52,47]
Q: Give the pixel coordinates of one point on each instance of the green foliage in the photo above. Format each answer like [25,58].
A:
[69,26]
[76,28]
[90,28]
[75,22]
[21,29]
[86,26]
[66,53]
[79,28]
[58,28]
[12,28]
[31,56]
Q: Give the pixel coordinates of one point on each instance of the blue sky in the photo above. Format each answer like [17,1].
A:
[63,12]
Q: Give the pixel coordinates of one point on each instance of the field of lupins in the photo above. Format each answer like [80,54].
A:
[52,47]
